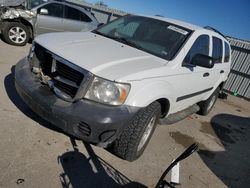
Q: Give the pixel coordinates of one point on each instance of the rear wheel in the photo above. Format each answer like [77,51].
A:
[16,33]
[207,105]
[134,139]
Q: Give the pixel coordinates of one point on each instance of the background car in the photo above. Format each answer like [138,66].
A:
[19,25]
[63,16]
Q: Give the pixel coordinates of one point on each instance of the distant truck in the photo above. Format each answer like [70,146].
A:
[22,20]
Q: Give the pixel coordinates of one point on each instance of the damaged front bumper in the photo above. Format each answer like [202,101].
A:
[92,122]
[12,13]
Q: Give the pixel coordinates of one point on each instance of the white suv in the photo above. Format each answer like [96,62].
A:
[111,86]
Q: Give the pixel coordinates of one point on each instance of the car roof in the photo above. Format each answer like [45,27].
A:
[177,22]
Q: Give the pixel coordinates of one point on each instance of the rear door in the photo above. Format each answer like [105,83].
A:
[49,18]
[220,67]
[76,20]
[194,82]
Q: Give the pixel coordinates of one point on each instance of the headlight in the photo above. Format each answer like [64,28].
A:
[108,92]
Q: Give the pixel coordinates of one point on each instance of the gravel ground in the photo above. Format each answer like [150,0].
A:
[35,154]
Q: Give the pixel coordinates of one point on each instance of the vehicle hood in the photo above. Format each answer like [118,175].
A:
[102,56]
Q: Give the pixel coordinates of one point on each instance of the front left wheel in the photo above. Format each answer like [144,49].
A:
[134,139]
[16,33]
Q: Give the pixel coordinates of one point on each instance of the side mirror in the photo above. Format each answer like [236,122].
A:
[203,61]
[43,11]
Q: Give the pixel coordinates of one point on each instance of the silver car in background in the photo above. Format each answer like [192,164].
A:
[19,25]
[63,16]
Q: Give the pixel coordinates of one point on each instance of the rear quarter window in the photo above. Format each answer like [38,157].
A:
[227,52]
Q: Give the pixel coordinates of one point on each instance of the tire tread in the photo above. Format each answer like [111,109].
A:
[126,145]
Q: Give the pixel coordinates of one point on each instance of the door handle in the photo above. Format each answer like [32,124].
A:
[222,71]
[206,74]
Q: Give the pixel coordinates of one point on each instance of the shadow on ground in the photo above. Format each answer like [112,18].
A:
[232,166]
[91,171]
[9,83]
[79,171]
[232,133]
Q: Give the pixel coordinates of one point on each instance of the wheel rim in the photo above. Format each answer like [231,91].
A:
[212,102]
[146,133]
[17,35]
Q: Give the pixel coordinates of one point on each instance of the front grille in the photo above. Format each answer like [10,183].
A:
[69,73]
[65,77]
[68,89]
[45,59]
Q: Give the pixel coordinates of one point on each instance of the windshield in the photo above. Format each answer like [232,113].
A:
[154,36]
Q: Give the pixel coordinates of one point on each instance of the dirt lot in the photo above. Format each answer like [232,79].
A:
[35,154]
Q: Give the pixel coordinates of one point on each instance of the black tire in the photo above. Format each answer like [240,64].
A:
[207,105]
[22,33]
[127,145]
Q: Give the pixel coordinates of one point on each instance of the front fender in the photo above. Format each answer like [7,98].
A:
[145,92]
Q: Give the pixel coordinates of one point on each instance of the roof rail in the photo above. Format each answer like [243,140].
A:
[215,30]
[158,15]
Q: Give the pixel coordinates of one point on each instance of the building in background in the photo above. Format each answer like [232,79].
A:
[238,82]
[103,14]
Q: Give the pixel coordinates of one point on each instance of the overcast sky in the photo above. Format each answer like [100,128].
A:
[231,17]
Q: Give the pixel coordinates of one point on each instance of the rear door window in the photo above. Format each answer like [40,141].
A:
[217,50]
[200,46]
[77,15]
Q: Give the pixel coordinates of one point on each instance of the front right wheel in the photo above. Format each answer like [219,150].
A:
[134,139]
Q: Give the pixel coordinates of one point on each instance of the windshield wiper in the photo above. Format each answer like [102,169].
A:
[119,39]
[126,41]
[98,32]
[123,40]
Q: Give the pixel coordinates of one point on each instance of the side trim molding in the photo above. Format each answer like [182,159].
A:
[193,94]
